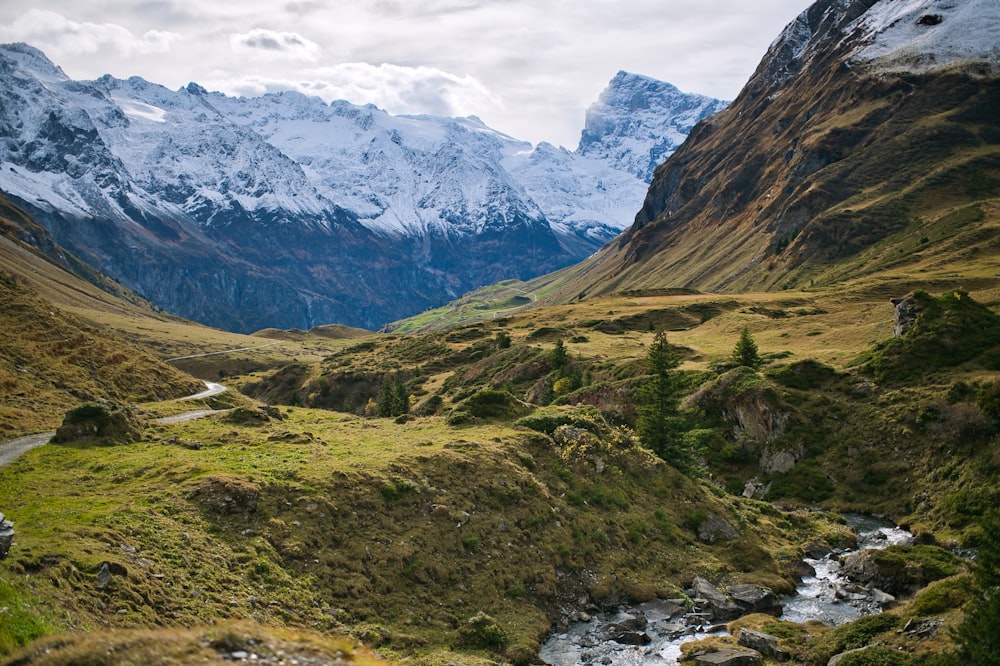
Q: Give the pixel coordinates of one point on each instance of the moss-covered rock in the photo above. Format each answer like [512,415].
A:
[942,332]
[100,422]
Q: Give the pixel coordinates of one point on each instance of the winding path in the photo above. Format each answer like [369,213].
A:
[10,451]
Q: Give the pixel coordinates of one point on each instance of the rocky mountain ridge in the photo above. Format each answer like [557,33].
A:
[285,211]
[865,139]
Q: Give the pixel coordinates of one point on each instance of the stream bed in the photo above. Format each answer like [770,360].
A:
[653,633]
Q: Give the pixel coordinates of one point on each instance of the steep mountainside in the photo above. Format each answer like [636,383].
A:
[286,211]
[867,140]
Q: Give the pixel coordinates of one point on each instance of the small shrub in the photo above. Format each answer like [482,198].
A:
[491,403]
[482,632]
[878,655]
[859,633]
[943,595]
[805,375]
[459,417]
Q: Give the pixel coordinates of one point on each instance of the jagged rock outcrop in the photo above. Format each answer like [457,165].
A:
[904,314]
[747,401]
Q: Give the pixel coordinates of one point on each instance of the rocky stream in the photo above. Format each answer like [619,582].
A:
[652,633]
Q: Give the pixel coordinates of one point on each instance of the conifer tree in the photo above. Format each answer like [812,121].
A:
[745,354]
[558,357]
[658,404]
[977,636]
[393,398]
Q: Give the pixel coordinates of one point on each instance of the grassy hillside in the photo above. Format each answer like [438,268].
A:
[849,177]
[51,361]
[505,490]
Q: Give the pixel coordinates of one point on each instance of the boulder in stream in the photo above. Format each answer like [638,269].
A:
[755,599]
[719,604]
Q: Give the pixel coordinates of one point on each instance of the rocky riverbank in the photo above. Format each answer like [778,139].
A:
[653,632]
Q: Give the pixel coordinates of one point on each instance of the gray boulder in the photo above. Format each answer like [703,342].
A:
[714,528]
[6,536]
[766,644]
[755,599]
[707,595]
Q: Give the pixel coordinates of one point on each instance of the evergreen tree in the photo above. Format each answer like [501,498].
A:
[502,340]
[402,402]
[658,405]
[977,636]
[745,354]
[393,398]
[558,357]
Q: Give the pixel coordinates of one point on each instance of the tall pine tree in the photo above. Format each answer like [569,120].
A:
[658,404]
[745,353]
[393,398]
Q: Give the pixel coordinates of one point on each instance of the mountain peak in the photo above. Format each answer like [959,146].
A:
[891,36]
[630,112]
[33,60]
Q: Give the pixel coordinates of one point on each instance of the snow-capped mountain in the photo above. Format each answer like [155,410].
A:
[638,122]
[214,206]
[868,123]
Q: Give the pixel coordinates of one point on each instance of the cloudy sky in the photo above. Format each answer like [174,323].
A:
[526,67]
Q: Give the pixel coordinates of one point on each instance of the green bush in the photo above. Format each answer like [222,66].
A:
[491,403]
[482,632]
[805,375]
[877,655]
[913,566]
[943,595]
[859,633]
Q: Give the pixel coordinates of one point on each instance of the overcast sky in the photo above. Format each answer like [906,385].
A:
[529,68]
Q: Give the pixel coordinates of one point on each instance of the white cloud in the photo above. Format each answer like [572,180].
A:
[59,36]
[269,43]
[395,88]
[547,59]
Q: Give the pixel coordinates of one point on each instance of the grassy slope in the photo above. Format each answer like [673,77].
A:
[371,526]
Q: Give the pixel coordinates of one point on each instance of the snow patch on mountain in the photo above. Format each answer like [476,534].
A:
[111,146]
[921,35]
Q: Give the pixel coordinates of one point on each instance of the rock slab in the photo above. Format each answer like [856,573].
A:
[730,658]
[766,644]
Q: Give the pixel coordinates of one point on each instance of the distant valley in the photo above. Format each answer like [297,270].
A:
[283,211]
